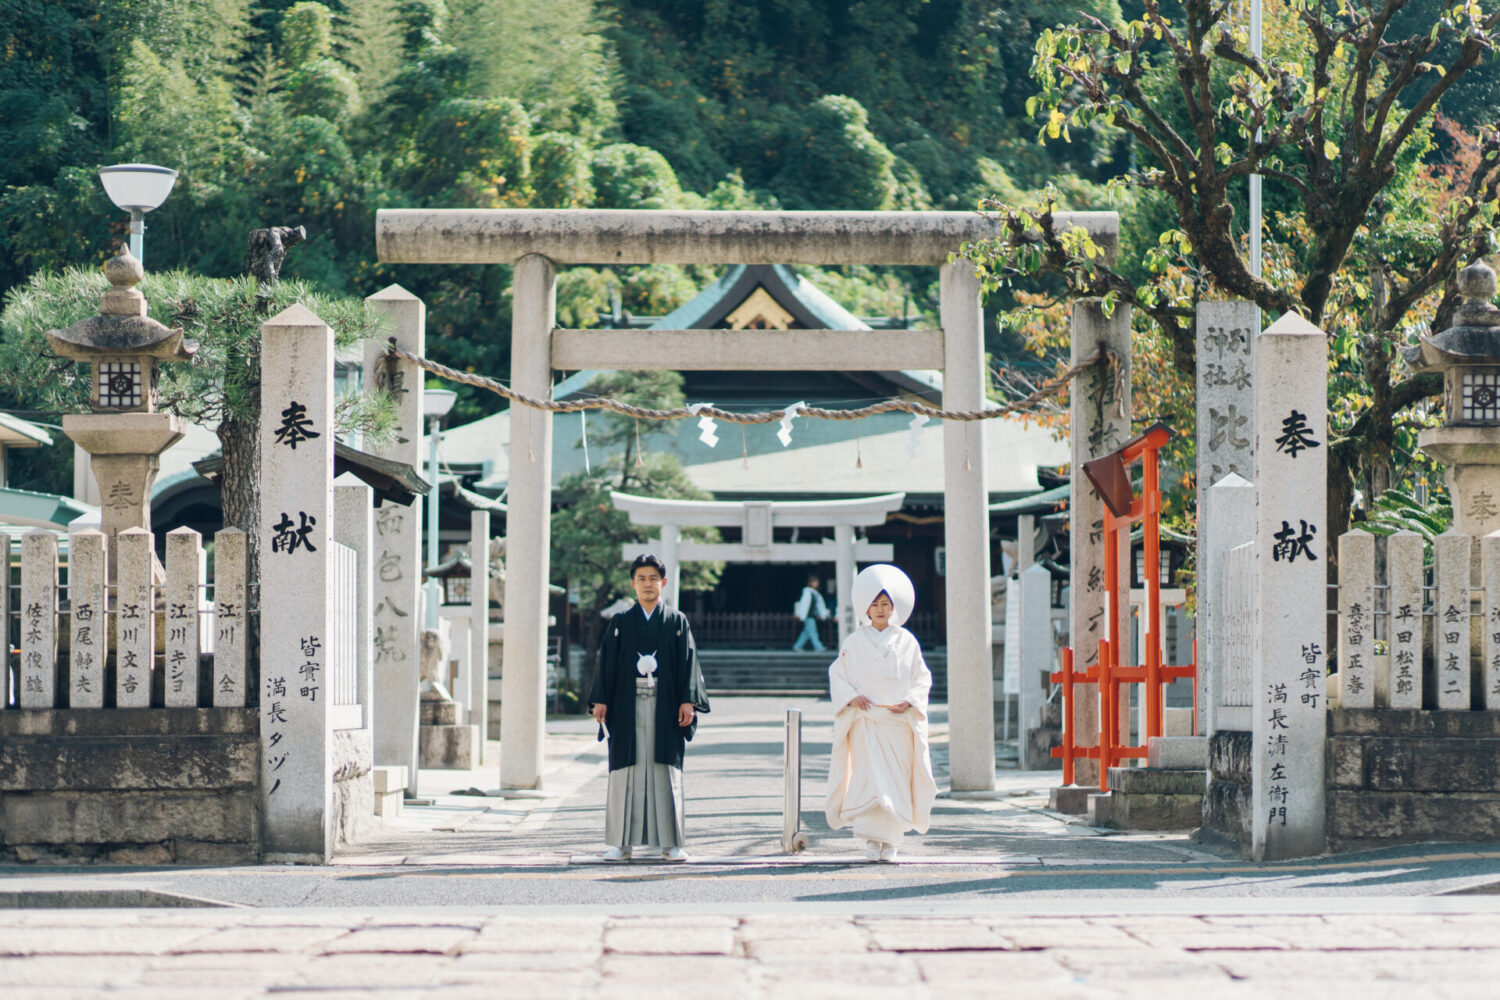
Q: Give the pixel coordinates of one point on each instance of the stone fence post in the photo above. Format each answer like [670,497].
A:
[1291,564]
[1100,421]
[1035,634]
[478,695]
[397,559]
[1225,447]
[1230,523]
[296,598]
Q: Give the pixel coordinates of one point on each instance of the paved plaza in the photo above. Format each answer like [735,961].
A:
[477,895]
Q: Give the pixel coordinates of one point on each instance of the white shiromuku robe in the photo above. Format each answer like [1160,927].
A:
[880,773]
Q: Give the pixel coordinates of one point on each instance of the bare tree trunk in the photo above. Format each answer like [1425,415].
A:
[239,434]
[239,483]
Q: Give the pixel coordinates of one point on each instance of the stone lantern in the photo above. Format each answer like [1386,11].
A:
[454,576]
[1468,442]
[124,436]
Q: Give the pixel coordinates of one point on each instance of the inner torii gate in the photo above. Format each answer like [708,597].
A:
[757,520]
[536,241]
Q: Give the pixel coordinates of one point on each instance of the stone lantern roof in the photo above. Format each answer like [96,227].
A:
[122,326]
[1474,337]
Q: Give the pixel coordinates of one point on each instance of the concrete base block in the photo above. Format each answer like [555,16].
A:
[353,785]
[1156,781]
[130,786]
[1158,812]
[391,778]
[1070,799]
[1100,809]
[440,713]
[1183,752]
[1147,798]
[1039,744]
[388,804]
[1226,810]
[1405,776]
[448,748]
[130,817]
[1177,722]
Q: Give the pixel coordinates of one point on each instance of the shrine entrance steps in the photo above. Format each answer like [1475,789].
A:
[804,673]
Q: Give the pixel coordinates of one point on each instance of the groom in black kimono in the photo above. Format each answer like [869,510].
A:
[646,697]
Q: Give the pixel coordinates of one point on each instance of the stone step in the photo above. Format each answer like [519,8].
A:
[1157,781]
[787,671]
[1180,752]
[1152,798]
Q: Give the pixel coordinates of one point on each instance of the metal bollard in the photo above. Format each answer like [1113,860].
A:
[793,839]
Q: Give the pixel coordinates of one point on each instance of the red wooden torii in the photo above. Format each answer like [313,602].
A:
[1110,475]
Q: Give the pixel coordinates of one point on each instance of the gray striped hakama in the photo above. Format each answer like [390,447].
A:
[644,807]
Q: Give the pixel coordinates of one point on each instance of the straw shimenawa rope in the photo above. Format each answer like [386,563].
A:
[1103,357]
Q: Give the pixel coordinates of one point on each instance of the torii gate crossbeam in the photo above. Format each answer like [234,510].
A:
[535,241]
[757,521]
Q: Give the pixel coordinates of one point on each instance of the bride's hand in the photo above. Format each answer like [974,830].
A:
[900,707]
[861,702]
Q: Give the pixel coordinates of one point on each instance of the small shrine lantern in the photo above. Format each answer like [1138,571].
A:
[122,343]
[454,575]
[124,435]
[1468,442]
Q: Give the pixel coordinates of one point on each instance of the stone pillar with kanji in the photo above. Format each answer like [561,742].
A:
[1290,632]
[296,587]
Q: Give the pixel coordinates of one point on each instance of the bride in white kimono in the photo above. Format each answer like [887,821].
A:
[880,773]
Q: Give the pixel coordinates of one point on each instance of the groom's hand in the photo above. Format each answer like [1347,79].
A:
[685,714]
[600,710]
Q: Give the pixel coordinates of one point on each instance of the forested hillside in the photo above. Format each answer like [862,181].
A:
[319,114]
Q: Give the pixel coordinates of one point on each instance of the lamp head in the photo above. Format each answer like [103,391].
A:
[437,402]
[137,186]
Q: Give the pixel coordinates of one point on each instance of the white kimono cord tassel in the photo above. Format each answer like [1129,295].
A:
[639,463]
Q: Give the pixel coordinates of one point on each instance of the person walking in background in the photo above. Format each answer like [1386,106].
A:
[880,771]
[809,610]
[647,696]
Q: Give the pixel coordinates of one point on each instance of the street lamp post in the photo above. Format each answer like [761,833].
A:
[137,188]
[435,406]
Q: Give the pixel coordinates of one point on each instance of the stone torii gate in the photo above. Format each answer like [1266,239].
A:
[536,241]
[757,521]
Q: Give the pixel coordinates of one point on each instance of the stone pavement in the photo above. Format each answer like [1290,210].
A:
[488,896]
[453,954]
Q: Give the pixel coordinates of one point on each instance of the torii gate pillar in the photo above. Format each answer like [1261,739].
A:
[528,529]
[966,537]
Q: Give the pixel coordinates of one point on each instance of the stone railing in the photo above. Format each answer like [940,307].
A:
[1411,636]
[1234,668]
[140,641]
[345,675]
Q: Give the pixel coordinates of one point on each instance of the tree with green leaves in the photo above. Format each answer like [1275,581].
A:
[1338,117]
[219,389]
[588,532]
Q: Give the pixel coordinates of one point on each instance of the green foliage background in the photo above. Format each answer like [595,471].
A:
[282,113]
[317,114]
